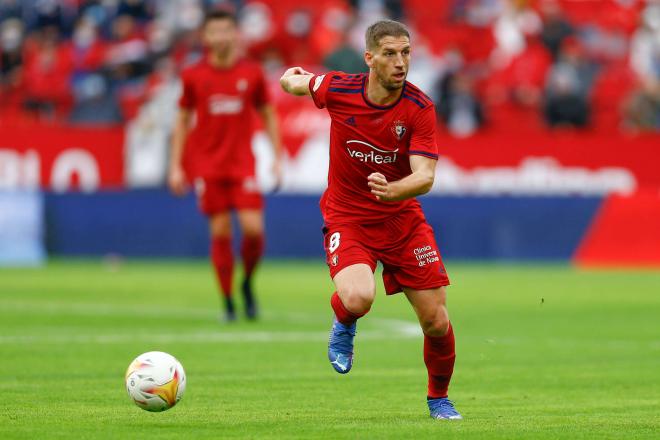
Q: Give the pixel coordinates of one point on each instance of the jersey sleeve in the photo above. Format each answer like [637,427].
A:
[318,87]
[187,99]
[261,94]
[423,140]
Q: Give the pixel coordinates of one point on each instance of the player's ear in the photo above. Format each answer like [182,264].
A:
[368,58]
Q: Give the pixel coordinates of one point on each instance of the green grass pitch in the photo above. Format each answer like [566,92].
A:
[544,352]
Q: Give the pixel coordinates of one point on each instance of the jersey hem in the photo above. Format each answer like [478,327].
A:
[422,153]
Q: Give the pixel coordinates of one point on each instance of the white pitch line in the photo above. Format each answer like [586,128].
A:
[377,328]
[85,309]
[199,337]
[145,310]
[400,326]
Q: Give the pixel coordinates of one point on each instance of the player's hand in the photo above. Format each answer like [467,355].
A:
[286,77]
[379,187]
[296,81]
[296,71]
[176,180]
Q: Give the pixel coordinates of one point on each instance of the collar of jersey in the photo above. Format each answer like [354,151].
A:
[221,69]
[379,107]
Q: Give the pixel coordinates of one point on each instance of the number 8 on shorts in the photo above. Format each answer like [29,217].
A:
[333,243]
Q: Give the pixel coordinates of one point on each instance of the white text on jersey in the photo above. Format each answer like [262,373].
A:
[371,156]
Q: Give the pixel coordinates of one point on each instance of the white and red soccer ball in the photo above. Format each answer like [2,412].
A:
[155,381]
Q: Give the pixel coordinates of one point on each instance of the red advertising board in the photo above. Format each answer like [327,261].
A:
[61,157]
[640,155]
[625,232]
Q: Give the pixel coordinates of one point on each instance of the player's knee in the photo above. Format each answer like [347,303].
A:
[220,226]
[253,231]
[436,326]
[220,231]
[357,299]
[252,224]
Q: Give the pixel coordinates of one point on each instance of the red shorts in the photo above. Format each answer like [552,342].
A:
[217,196]
[404,244]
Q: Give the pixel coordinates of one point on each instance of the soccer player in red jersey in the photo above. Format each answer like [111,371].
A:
[211,147]
[383,153]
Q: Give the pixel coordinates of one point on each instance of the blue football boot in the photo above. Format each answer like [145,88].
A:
[340,346]
[443,408]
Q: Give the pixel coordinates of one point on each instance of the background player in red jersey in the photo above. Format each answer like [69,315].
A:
[383,153]
[214,151]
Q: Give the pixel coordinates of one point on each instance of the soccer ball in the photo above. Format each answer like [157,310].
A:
[155,381]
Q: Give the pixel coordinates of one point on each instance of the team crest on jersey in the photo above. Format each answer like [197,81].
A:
[335,260]
[399,130]
[241,84]
[250,185]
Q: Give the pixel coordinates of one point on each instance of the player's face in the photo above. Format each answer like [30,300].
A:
[390,61]
[220,36]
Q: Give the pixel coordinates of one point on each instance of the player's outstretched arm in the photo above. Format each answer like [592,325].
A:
[417,183]
[296,81]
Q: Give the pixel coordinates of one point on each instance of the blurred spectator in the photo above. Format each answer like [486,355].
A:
[135,8]
[478,13]
[642,110]
[567,87]
[346,57]
[519,63]
[159,41]
[94,105]
[605,45]
[99,59]
[126,57]
[88,49]
[394,9]
[459,109]
[512,30]
[297,36]
[11,59]
[10,9]
[555,26]
[520,84]
[179,15]
[48,14]
[645,47]
[47,72]
[148,133]
[11,36]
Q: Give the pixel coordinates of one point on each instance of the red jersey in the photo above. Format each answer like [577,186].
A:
[367,138]
[223,99]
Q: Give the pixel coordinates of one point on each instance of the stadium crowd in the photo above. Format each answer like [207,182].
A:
[488,64]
